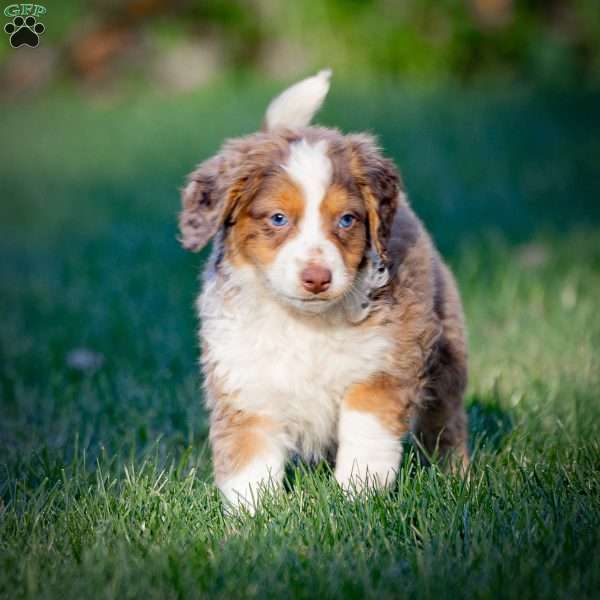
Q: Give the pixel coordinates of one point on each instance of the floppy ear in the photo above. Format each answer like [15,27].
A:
[380,184]
[218,189]
[206,203]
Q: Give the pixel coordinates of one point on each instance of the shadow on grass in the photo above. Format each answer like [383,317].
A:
[489,424]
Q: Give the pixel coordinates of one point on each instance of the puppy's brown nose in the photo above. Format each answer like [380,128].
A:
[316,279]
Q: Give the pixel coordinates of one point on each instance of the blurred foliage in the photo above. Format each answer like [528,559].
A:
[187,43]
[423,37]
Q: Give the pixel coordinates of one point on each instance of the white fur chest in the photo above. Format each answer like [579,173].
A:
[272,362]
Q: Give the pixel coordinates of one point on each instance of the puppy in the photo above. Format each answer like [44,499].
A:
[330,326]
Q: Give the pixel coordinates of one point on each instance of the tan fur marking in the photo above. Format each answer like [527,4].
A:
[383,397]
[236,438]
[351,242]
[253,238]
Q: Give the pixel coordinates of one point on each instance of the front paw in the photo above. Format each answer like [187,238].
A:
[355,479]
[244,491]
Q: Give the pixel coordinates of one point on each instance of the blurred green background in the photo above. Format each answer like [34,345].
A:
[183,44]
[490,108]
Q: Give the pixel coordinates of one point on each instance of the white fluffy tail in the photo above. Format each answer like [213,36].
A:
[296,106]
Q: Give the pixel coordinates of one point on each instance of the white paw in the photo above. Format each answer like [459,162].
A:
[368,454]
[244,490]
[355,479]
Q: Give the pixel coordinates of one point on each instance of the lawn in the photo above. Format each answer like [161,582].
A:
[105,485]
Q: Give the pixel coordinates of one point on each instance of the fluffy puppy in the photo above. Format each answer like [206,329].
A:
[329,324]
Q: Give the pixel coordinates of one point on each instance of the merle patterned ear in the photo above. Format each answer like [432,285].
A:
[379,183]
[208,199]
[221,186]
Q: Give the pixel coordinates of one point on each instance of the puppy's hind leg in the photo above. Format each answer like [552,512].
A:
[440,424]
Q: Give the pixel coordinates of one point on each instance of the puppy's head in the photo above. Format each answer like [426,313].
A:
[303,208]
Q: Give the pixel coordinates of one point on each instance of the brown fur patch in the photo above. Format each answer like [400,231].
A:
[236,438]
[351,242]
[385,398]
[253,237]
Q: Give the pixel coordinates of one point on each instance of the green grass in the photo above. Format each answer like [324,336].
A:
[105,486]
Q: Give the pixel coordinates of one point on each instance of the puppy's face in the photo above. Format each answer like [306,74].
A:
[305,229]
[301,211]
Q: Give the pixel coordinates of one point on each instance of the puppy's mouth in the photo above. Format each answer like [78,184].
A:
[308,301]
[311,299]
[311,304]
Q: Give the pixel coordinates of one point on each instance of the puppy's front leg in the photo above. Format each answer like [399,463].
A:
[248,455]
[373,419]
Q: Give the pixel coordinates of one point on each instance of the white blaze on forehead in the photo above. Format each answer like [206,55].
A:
[310,167]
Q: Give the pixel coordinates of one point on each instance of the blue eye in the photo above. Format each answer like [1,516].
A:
[279,220]
[346,221]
